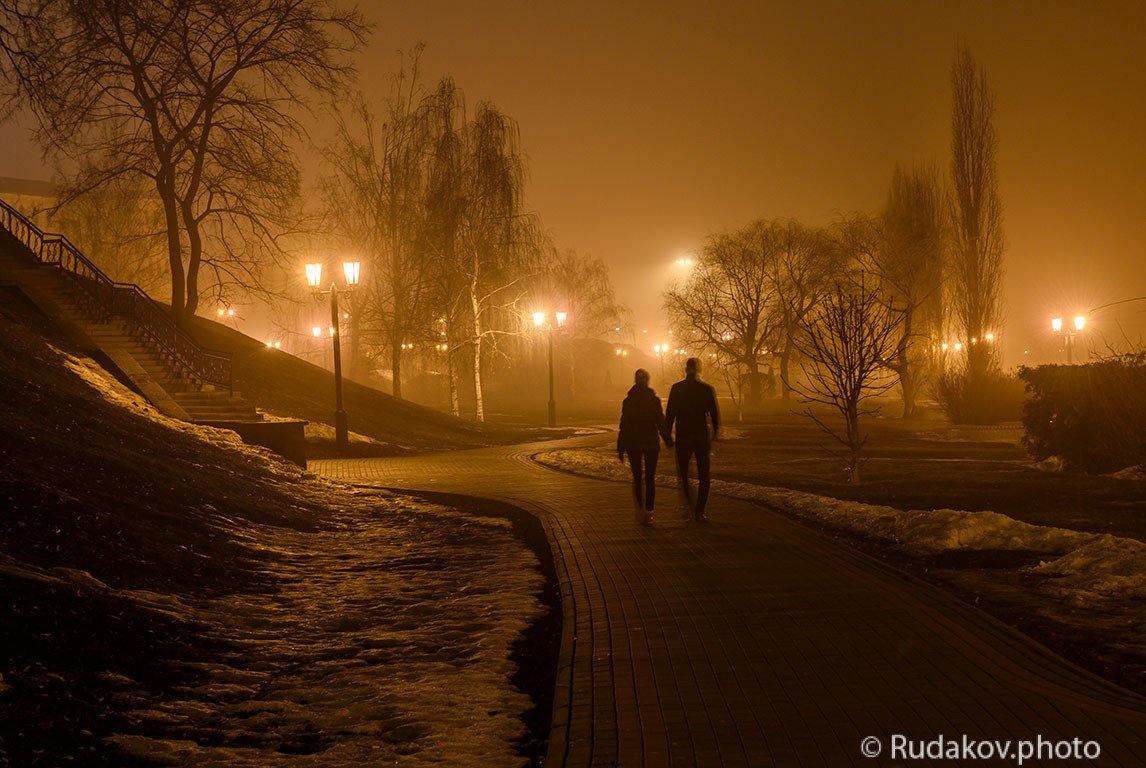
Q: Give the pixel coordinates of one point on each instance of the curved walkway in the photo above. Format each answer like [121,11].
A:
[754,641]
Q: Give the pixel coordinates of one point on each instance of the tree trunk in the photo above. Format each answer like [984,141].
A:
[978,357]
[572,371]
[754,394]
[357,366]
[174,247]
[194,259]
[452,374]
[396,368]
[785,357]
[907,383]
[479,405]
[854,443]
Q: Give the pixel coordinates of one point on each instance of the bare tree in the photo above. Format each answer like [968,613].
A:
[580,285]
[725,303]
[378,197]
[483,243]
[977,214]
[803,263]
[200,97]
[732,371]
[909,253]
[846,343]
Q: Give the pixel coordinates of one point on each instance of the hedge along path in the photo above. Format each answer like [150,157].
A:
[1093,416]
[756,641]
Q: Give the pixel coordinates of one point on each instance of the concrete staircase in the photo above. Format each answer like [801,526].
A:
[138,359]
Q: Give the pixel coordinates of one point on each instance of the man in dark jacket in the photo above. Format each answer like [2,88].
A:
[691,405]
[642,427]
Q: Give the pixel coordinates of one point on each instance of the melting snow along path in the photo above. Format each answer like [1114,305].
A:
[754,641]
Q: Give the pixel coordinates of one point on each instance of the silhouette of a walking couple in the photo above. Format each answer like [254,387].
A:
[691,409]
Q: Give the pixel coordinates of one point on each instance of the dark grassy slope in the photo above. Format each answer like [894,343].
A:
[137,560]
[288,386]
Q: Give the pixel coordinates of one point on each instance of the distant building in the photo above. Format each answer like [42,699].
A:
[29,196]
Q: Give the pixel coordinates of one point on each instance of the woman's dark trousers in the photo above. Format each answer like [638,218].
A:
[647,476]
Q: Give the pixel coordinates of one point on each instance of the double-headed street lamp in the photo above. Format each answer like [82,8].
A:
[1067,334]
[543,321]
[350,270]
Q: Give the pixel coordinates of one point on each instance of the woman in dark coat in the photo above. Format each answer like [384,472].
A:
[642,429]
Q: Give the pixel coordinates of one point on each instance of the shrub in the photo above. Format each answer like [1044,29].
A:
[991,398]
[1093,416]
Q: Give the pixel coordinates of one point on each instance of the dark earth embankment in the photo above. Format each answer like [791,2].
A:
[285,385]
[171,596]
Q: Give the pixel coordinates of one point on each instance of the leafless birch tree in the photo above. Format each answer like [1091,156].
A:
[378,198]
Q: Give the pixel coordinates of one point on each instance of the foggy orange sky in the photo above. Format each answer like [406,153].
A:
[649,125]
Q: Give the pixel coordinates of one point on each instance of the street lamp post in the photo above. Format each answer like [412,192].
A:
[1068,335]
[350,270]
[541,320]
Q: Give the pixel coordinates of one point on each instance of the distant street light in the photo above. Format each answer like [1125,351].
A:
[1068,335]
[351,271]
[541,321]
[660,350]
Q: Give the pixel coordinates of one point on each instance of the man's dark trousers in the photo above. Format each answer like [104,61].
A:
[685,450]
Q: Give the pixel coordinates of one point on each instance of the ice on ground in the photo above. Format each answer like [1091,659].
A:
[384,637]
[1095,563]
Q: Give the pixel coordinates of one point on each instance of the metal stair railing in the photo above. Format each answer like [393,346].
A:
[101,298]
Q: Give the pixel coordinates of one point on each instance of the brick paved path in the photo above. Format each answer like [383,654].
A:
[754,641]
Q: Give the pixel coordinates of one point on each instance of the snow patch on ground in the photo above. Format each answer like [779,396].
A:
[386,641]
[1094,563]
[1106,566]
[382,638]
[1130,473]
[1050,464]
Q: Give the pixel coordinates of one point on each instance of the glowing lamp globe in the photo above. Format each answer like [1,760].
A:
[313,275]
[351,269]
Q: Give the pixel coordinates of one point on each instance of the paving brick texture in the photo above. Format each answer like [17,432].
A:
[752,640]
